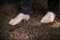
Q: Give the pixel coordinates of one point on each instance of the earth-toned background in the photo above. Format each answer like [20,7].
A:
[32,29]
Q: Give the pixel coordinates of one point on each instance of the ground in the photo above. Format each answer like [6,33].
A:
[32,29]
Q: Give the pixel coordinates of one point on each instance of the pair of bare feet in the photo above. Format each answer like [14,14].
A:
[49,17]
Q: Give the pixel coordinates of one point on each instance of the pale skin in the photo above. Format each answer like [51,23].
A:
[49,17]
[26,8]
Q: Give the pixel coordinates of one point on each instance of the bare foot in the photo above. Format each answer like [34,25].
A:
[19,18]
[49,17]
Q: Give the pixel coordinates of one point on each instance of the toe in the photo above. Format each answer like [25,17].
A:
[12,22]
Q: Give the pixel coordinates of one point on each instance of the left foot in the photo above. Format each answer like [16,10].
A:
[49,17]
[19,18]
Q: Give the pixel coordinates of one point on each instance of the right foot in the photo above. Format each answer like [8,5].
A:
[19,18]
[49,17]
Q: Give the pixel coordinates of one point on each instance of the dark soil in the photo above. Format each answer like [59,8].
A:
[32,29]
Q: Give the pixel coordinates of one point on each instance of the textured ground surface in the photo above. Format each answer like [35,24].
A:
[26,30]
